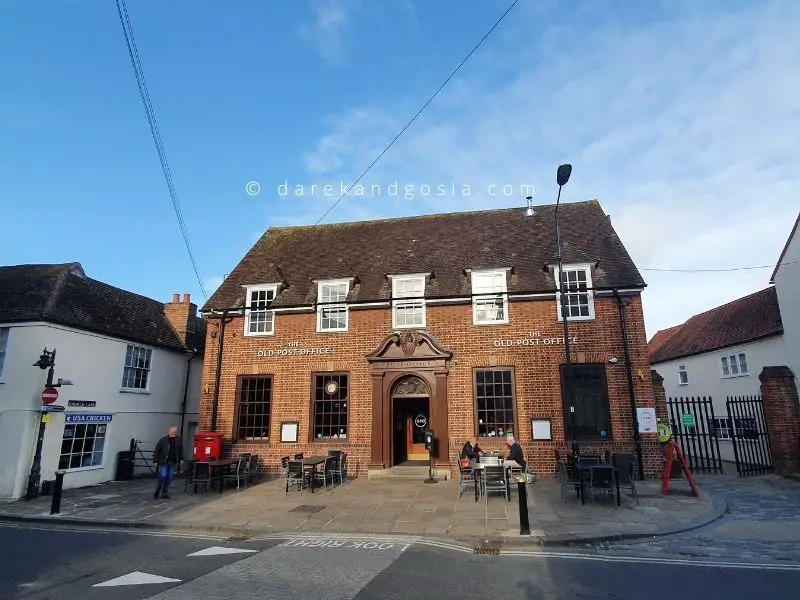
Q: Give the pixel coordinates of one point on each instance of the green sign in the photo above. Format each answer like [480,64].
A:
[688,420]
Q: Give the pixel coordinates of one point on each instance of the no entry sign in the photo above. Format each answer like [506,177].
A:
[49,395]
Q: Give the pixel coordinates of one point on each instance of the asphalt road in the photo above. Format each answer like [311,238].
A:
[39,564]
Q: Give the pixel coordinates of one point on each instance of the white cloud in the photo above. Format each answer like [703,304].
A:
[331,21]
[684,128]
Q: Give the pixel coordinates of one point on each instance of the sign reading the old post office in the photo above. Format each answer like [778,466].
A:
[292,349]
[534,338]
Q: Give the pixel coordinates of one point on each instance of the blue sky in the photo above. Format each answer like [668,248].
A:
[679,116]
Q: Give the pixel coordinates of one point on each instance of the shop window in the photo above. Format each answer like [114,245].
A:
[329,406]
[494,402]
[82,445]
[254,406]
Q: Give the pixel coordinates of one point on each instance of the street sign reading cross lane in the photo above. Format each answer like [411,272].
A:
[688,420]
[49,395]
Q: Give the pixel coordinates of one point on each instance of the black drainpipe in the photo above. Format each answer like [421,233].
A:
[223,320]
[629,372]
[186,392]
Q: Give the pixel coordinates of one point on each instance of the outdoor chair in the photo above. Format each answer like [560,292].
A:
[567,477]
[326,474]
[601,480]
[337,470]
[298,456]
[239,474]
[624,464]
[494,481]
[295,475]
[284,468]
[252,469]
[203,476]
[467,477]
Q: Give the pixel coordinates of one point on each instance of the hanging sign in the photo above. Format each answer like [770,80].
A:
[664,432]
[420,420]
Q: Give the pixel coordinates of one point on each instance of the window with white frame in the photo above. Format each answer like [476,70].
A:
[3,345]
[136,375]
[721,428]
[408,304]
[683,376]
[490,297]
[332,310]
[579,298]
[260,319]
[734,365]
[82,445]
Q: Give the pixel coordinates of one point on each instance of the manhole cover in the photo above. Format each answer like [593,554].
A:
[307,508]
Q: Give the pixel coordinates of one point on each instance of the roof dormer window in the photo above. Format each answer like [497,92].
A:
[259,318]
[408,301]
[332,312]
[489,297]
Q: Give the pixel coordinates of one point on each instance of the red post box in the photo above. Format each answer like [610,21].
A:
[207,446]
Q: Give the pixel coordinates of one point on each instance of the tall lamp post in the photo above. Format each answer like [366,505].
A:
[47,360]
[562,177]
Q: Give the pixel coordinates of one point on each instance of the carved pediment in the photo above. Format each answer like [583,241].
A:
[409,345]
[411,386]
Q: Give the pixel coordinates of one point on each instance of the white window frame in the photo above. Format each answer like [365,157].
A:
[587,269]
[102,451]
[501,294]
[5,333]
[408,301]
[341,305]
[682,371]
[248,312]
[722,433]
[730,365]
[148,368]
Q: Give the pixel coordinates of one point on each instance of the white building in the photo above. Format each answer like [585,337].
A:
[720,353]
[135,365]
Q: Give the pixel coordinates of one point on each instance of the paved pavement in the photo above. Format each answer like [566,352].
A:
[94,565]
[762,523]
[382,506]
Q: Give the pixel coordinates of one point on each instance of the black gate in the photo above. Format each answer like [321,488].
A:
[748,432]
[692,422]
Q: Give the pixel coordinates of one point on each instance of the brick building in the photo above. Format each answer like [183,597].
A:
[352,335]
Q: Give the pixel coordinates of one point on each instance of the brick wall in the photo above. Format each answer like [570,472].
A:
[178,312]
[782,414]
[537,378]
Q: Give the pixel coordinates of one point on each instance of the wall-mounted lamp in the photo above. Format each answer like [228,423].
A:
[613,360]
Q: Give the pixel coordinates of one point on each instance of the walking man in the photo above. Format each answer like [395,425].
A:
[167,456]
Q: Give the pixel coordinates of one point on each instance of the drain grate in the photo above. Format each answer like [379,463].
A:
[308,508]
[237,538]
[491,550]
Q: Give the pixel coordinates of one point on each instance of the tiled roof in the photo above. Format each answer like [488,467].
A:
[63,294]
[445,244]
[744,320]
[785,249]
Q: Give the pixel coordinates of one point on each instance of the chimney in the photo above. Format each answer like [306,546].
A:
[181,315]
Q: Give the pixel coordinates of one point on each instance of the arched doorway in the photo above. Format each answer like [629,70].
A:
[410,416]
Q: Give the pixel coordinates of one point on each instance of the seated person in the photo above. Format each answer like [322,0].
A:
[471,450]
[515,452]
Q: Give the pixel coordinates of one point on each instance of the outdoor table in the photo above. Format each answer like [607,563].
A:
[313,462]
[221,465]
[588,468]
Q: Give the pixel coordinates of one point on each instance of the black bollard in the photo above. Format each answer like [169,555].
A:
[55,507]
[522,492]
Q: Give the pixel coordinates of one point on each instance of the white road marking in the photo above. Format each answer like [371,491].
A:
[136,578]
[344,544]
[653,561]
[218,550]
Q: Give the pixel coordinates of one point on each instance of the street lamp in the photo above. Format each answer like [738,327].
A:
[47,360]
[562,177]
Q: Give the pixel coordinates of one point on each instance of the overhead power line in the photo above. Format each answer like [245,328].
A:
[130,41]
[419,112]
[791,262]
